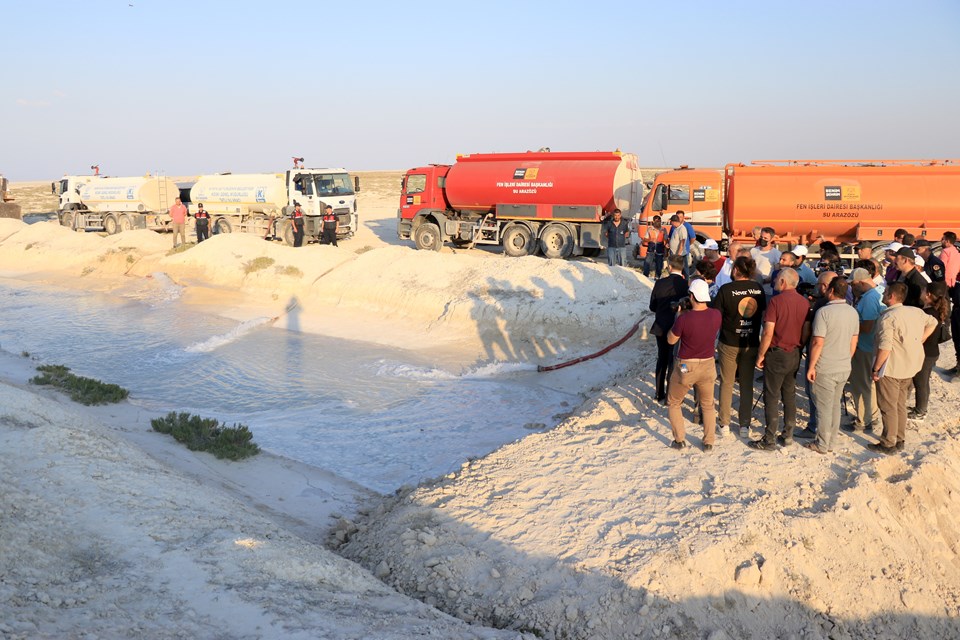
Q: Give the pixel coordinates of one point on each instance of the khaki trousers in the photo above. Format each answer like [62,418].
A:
[737,364]
[702,375]
[892,396]
[866,411]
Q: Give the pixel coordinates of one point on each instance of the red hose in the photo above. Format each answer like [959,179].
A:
[607,348]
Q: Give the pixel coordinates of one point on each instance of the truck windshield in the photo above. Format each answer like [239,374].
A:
[334,184]
[416,183]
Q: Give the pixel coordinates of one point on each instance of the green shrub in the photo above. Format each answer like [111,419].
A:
[84,390]
[289,270]
[257,264]
[179,249]
[207,434]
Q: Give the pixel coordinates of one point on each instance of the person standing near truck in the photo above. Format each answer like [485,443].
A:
[328,234]
[616,233]
[653,239]
[178,219]
[202,219]
[297,225]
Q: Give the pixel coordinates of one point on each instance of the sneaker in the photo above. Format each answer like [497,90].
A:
[954,371]
[784,442]
[916,416]
[707,448]
[762,445]
[900,445]
[682,444]
[722,430]
[879,448]
[814,447]
[855,427]
[805,434]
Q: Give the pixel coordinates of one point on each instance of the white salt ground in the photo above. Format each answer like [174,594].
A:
[594,529]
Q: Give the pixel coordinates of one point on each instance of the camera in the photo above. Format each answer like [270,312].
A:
[683,304]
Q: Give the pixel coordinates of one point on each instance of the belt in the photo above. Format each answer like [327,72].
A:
[695,360]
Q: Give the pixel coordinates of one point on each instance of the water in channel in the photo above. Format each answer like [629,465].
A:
[381,417]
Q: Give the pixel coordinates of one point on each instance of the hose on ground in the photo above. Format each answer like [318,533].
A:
[606,349]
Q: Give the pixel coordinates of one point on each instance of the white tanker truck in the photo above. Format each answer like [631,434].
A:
[261,203]
[115,204]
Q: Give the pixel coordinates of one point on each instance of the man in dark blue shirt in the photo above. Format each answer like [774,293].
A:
[616,232]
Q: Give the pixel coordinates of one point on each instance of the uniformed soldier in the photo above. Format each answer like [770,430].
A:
[330,224]
[933,266]
[297,225]
[202,219]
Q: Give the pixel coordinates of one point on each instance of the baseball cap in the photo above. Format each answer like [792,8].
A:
[711,244]
[674,218]
[919,261]
[921,242]
[700,290]
[864,244]
[799,251]
[894,246]
[906,252]
[859,274]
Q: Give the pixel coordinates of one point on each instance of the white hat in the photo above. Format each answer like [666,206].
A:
[894,246]
[799,251]
[711,244]
[700,290]
[919,261]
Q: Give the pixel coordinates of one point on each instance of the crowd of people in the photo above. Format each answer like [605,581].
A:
[873,329]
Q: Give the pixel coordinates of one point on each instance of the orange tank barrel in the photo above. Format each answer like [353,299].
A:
[843,202]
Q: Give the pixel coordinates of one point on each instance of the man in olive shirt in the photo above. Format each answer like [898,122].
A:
[741,303]
[899,357]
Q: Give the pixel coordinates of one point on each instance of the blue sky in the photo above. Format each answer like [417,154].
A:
[201,87]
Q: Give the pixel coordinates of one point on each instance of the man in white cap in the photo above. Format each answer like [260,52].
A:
[921,263]
[696,330]
[711,253]
[803,269]
[892,273]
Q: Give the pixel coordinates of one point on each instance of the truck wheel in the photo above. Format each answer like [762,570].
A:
[222,225]
[286,232]
[518,241]
[427,236]
[110,225]
[66,220]
[124,223]
[556,241]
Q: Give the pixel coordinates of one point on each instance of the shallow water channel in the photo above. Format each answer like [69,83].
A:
[379,416]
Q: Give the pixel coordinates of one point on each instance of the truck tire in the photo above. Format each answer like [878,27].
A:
[518,241]
[124,223]
[286,232]
[110,225]
[556,241]
[427,236]
[222,225]
[66,220]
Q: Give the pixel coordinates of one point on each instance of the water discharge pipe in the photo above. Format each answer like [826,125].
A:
[606,349]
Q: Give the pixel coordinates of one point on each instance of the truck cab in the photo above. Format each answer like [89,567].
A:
[696,192]
[421,189]
[314,189]
[68,188]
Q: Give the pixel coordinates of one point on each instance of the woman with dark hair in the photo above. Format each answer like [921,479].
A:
[937,305]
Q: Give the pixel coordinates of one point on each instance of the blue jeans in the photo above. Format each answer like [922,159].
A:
[654,262]
[617,255]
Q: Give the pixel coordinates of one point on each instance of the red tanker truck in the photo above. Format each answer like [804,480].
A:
[553,202]
[844,201]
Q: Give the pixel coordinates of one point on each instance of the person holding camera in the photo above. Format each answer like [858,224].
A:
[696,329]
[667,292]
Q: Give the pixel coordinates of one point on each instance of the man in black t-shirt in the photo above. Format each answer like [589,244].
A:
[741,304]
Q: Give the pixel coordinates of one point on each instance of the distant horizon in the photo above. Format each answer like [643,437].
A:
[192,88]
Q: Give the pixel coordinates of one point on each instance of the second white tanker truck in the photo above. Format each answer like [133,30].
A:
[98,203]
[261,203]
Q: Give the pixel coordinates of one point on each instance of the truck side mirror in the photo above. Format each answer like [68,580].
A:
[659,198]
[356,184]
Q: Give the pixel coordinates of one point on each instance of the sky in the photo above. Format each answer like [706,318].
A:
[185,88]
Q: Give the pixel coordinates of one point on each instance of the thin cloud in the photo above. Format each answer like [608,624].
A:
[33,104]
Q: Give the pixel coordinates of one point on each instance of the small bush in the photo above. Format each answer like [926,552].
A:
[207,434]
[257,264]
[179,249]
[363,249]
[84,390]
[87,271]
[289,270]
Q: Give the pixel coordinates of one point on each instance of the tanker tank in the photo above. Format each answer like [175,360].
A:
[135,195]
[233,194]
[479,182]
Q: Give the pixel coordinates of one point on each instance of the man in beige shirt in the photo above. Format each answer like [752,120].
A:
[899,357]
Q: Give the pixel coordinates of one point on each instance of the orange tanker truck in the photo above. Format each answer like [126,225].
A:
[844,201]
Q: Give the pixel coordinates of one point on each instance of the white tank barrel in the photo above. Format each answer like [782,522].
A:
[241,193]
[130,194]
